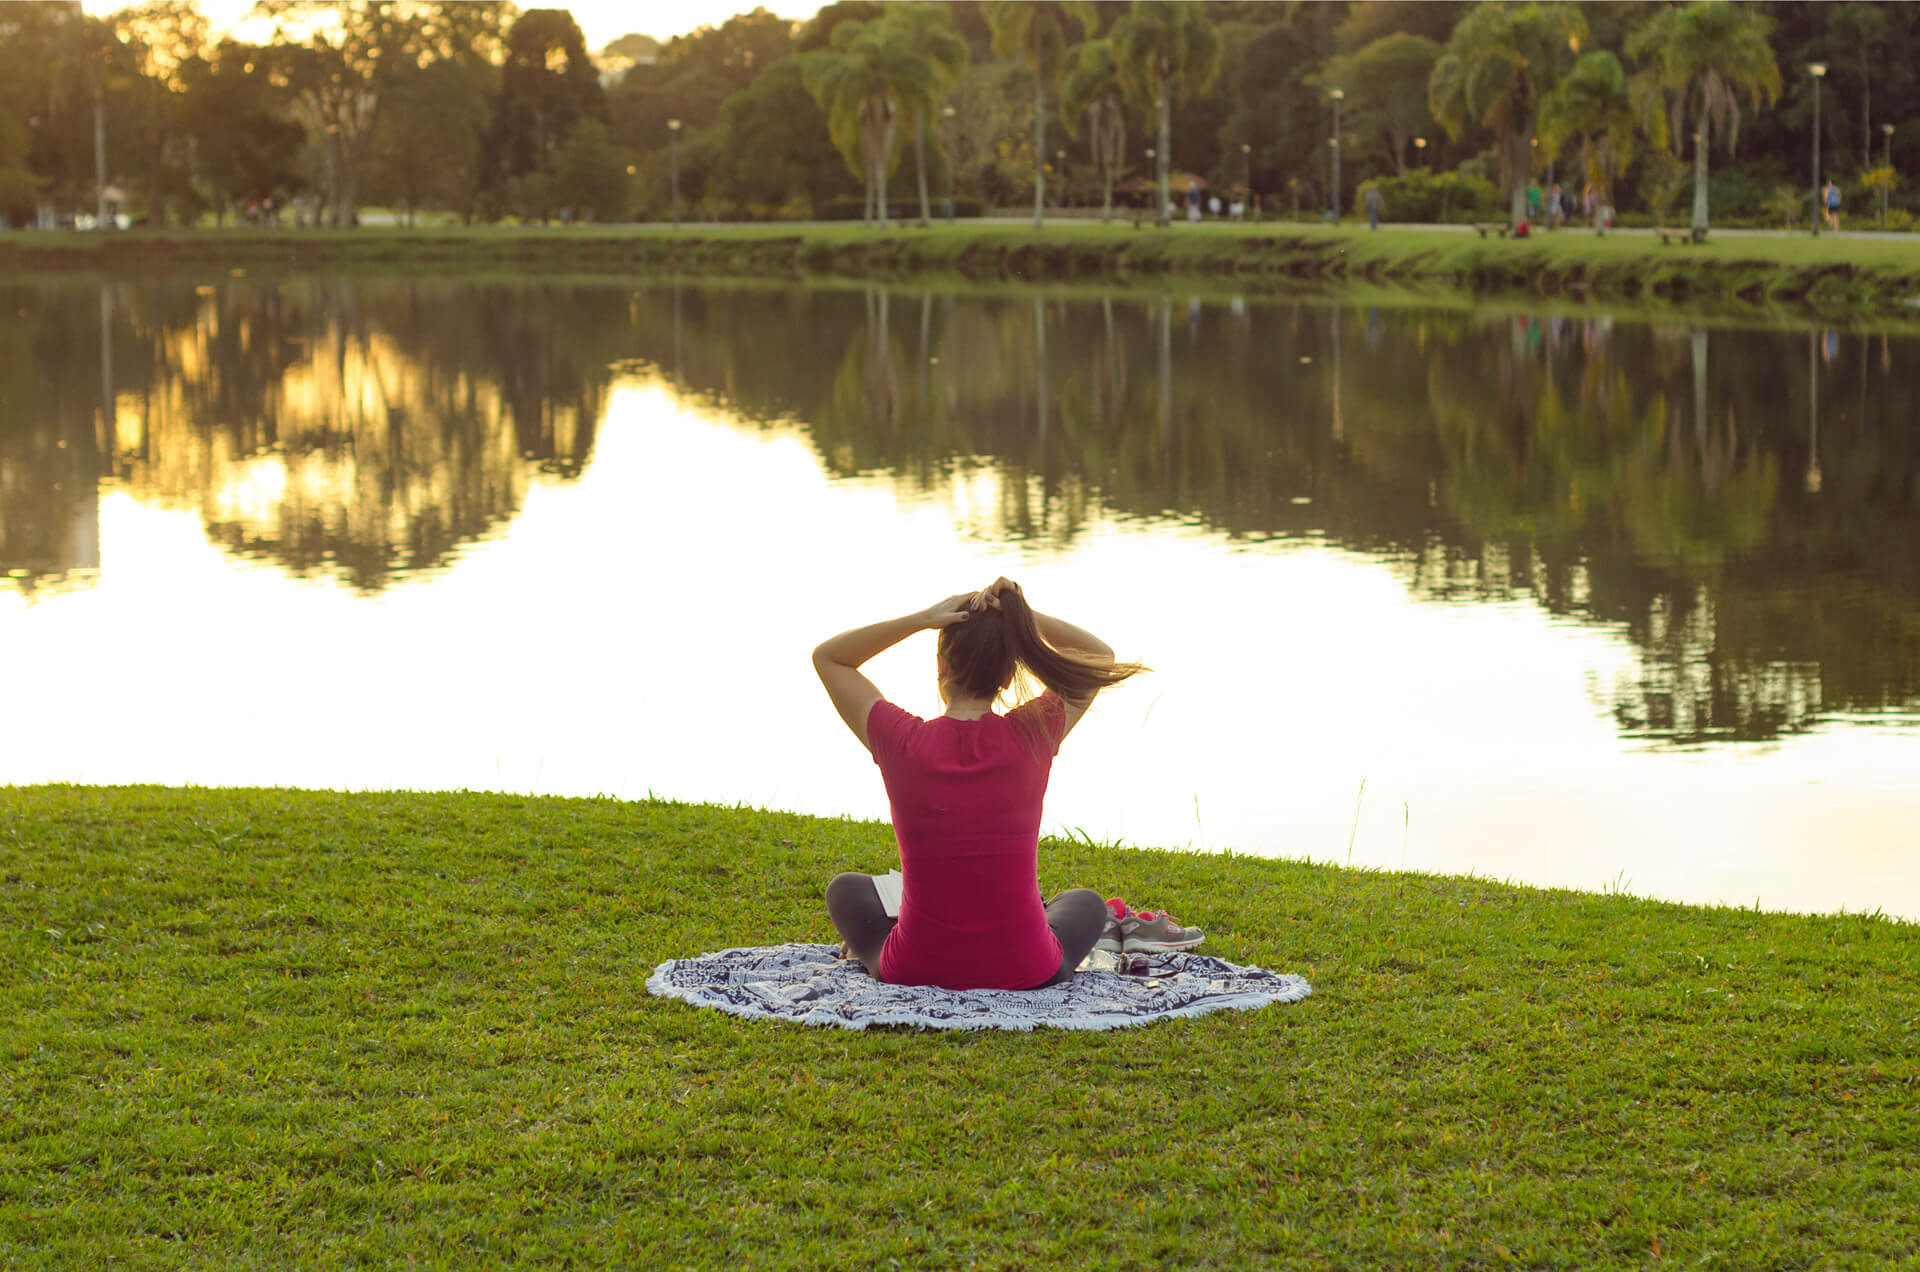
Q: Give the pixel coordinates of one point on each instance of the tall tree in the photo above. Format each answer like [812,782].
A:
[1499,64]
[1386,85]
[1857,33]
[244,145]
[340,59]
[862,80]
[548,85]
[343,58]
[930,38]
[1036,33]
[431,150]
[1706,57]
[1600,108]
[1166,50]
[1093,93]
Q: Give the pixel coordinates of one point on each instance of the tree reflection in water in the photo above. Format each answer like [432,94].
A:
[1657,479]
[324,424]
[1609,471]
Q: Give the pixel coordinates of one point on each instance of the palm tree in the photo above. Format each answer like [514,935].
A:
[1093,92]
[1497,67]
[861,80]
[1036,33]
[1165,49]
[928,35]
[1706,56]
[1599,106]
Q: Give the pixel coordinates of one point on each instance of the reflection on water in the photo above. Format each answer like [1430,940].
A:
[1737,509]
[321,425]
[1610,472]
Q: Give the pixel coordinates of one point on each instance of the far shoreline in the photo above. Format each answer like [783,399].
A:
[1752,273]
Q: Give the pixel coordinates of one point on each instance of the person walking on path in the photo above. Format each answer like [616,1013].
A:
[1830,196]
[965,789]
[1375,202]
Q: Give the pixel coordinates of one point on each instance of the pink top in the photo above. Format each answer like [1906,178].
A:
[966,811]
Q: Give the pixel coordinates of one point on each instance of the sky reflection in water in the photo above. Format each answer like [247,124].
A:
[562,578]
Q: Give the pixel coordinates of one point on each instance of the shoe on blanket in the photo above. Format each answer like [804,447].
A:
[1133,931]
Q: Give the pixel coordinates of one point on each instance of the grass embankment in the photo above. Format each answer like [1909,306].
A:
[278,1028]
[1826,273]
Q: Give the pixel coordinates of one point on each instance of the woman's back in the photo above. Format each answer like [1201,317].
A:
[966,798]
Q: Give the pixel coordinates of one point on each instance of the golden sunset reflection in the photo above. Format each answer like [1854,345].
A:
[575,543]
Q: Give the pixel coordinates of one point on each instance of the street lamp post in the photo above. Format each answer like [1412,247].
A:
[1246,174]
[1337,95]
[1420,151]
[1060,170]
[1886,161]
[1819,72]
[946,116]
[673,140]
[1153,183]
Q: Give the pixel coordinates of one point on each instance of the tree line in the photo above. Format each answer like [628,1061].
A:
[1453,109]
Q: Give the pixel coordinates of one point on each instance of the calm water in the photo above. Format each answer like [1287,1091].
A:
[1581,601]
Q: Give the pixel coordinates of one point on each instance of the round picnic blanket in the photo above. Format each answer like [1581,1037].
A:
[812,985]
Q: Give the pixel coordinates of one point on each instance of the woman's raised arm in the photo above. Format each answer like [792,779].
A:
[837,659]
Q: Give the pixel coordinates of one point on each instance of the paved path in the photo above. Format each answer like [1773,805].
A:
[1355,223]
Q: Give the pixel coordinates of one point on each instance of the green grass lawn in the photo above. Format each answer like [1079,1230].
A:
[1828,274]
[293,1029]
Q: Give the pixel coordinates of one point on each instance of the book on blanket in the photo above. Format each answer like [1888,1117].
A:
[889,886]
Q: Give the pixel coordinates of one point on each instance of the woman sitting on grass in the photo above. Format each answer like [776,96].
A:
[966,789]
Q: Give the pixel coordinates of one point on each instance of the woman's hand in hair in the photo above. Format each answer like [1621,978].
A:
[989,596]
[955,609]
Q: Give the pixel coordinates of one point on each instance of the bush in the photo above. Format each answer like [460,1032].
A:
[1738,194]
[850,207]
[1426,195]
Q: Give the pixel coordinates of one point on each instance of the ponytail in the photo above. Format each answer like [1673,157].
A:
[986,653]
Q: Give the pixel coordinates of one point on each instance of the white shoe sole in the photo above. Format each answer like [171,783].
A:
[1162,947]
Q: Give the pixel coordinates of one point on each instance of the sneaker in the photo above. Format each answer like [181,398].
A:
[1133,931]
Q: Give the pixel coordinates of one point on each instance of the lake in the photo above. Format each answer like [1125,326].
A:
[1550,595]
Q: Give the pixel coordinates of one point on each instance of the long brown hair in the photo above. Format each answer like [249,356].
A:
[985,653]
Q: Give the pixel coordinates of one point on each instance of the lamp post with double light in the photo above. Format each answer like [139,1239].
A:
[1819,72]
[673,141]
[1335,140]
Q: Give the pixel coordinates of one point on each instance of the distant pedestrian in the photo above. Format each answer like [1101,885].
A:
[1830,196]
[1213,206]
[1375,202]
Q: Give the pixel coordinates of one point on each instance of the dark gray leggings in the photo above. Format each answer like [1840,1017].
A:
[1077,917]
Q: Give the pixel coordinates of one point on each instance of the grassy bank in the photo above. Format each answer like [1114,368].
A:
[280,1028]
[1826,273]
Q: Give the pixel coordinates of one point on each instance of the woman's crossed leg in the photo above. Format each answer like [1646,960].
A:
[1077,917]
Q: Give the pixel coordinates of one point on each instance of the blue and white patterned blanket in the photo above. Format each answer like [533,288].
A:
[811,985]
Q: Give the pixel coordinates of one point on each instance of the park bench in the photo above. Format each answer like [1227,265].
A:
[1484,226]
